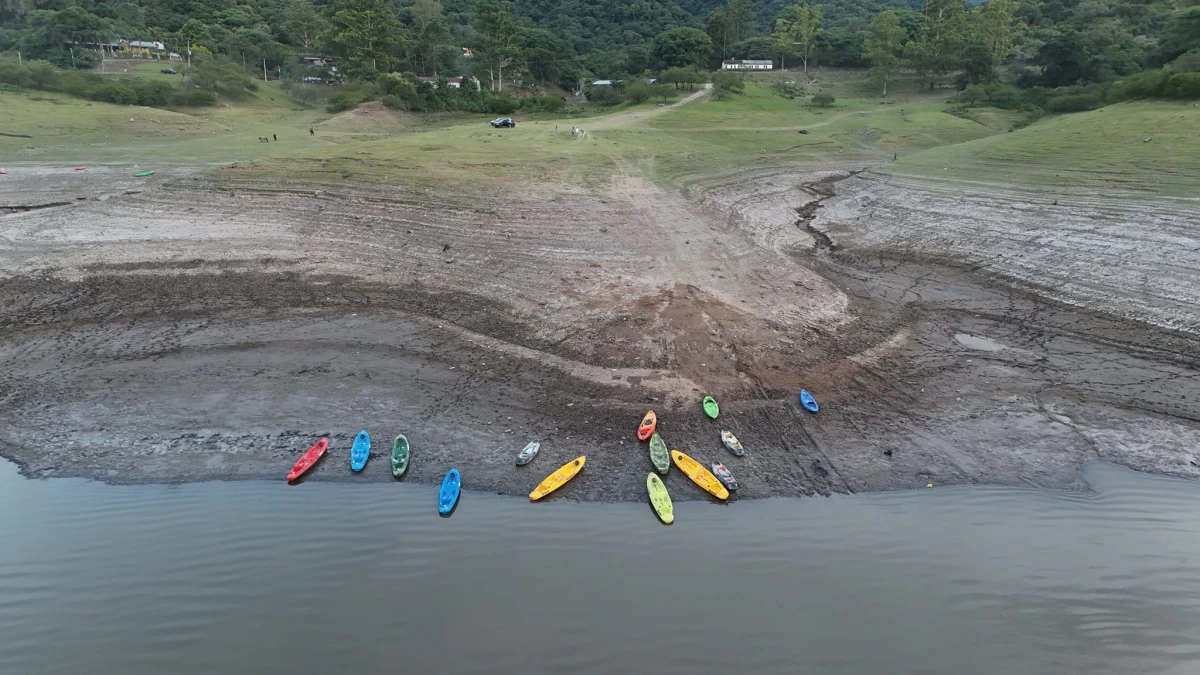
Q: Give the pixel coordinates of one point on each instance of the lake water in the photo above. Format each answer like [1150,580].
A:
[256,577]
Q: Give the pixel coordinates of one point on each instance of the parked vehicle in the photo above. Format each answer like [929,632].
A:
[502,122]
[168,71]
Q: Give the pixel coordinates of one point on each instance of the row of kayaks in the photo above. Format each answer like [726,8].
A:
[717,481]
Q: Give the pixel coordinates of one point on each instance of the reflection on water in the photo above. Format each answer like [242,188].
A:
[340,578]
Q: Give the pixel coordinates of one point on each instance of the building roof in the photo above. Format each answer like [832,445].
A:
[601,83]
[755,62]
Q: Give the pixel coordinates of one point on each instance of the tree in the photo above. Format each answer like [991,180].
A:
[797,31]
[302,24]
[364,33]
[430,34]
[500,37]
[545,54]
[638,92]
[726,83]
[741,19]
[679,77]
[1064,60]
[681,46]
[720,30]
[884,47]
[192,32]
[940,38]
[996,24]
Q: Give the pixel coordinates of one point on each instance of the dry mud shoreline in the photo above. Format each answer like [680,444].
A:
[196,328]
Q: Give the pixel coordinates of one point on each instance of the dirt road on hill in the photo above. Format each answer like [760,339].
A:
[201,328]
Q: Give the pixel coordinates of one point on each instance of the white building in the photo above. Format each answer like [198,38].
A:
[748,64]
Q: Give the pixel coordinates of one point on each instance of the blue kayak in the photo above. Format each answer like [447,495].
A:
[806,400]
[360,452]
[448,495]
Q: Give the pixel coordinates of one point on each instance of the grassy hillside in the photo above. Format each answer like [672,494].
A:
[675,145]
[1150,147]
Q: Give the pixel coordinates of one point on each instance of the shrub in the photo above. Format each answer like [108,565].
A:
[116,93]
[390,101]
[1188,63]
[1147,84]
[725,84]
[1073,103]
[153,93]
[501,105]
[1183,85]
[638,92]
[604,95]
[195,98]
[346,100]
[823,100]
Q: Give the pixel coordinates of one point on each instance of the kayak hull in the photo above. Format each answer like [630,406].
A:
[711,408]
[807,400]
[647,427]
[724,475]
[732,444]
[659,456]
[399,456]
[559,478]
[308,459]
[528,453]
[448,494]
[660,499]
[699,475]
[360,452]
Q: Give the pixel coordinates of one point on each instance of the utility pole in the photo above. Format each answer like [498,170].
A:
[264,69]
[72,57]
[20,61]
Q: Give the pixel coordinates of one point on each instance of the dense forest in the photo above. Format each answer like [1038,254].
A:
[1089,49]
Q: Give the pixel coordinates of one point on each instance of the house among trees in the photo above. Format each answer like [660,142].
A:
[452,82]
[747,64]
[153,48]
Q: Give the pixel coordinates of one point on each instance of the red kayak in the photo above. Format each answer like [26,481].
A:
[307,460]
[648,425]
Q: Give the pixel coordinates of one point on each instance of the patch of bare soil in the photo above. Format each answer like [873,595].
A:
[207,330]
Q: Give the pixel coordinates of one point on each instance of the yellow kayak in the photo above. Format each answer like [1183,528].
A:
[660,499]
[699,475]
[559,478]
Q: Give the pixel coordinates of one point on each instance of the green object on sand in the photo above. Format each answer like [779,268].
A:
[143,174]
[399,456]
[710,407]
[659,457]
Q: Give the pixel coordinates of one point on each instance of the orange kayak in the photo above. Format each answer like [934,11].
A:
[647,427]
[699,475]
[559,478]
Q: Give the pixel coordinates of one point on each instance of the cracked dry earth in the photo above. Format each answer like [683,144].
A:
[206,328]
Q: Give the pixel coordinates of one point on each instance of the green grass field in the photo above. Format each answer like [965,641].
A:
[1151,147]
[679,146]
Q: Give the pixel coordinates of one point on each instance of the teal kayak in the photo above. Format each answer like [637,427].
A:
[360,452]
[448,495]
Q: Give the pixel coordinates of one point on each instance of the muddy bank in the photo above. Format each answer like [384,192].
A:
[209,331]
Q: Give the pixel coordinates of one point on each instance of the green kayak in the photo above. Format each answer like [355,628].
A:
[710,407]
[399,456]
[659,457]
[660,499]
[143,174]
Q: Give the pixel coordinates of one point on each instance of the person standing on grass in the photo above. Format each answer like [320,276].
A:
[274,137]
[311,132]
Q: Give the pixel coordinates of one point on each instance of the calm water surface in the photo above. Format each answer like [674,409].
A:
[345,578]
